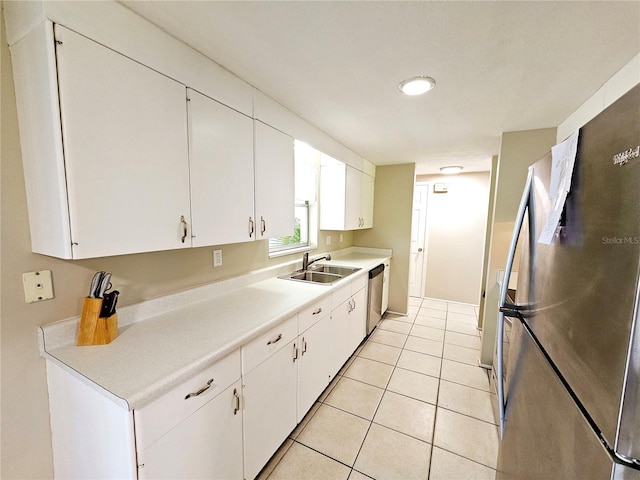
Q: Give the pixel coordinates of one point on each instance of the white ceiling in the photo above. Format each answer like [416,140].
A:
[499,66]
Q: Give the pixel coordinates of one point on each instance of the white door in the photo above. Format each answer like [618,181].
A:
[221,165]
[418,241]
[275,182]
[125,145]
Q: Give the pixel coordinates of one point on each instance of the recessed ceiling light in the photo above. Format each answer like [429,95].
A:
[417,85]
[451,170]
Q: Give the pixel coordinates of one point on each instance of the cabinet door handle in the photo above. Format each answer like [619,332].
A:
[352,305]
[251,227]
[275,340]
[201,391]
[317,312]
[236,400]
[263,225]
[184,228]
[295,353]
[304,346]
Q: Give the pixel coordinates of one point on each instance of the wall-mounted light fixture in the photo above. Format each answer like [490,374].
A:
[452,170]
[417,85]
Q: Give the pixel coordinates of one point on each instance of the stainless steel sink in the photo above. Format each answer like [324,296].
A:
[344,271]
[321,274]
[315,277]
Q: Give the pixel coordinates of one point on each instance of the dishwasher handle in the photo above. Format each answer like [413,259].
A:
[374,272]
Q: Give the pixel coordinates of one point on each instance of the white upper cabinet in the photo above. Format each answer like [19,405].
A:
[124,174]
[274,182]
[346,197]
[221,165]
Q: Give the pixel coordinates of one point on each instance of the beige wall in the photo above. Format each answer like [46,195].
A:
[392,227]
[518,150]
[25,441]
[456,229]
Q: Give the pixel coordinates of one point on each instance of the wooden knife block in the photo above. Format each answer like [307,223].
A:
[93,329]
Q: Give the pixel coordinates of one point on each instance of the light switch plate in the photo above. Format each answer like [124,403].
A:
[38,286]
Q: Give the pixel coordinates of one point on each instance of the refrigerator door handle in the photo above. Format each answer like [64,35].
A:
[503,306]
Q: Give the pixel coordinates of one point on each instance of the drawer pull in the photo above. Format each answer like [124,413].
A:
[318,311]
[236,408]
[201,391]
[275,340]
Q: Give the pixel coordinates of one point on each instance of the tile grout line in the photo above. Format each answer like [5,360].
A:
[381,398]
[435,415]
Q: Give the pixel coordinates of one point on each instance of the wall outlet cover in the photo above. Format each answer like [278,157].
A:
[217,258]
[38,286]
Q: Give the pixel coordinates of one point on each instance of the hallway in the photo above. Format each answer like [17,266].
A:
[411,403]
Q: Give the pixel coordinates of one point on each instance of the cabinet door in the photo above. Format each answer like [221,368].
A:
[366,200]
[269,407]
[207,444]
[125,145]
[339,338]
[353,202]
[357,320]
[221,167]
[332,195]
[313,369]
[274,182]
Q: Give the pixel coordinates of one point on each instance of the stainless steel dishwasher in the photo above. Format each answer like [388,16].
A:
[374,298]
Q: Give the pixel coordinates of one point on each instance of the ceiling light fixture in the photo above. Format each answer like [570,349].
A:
[451,170]
[417,85]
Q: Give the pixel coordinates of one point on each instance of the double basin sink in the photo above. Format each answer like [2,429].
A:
[321,274]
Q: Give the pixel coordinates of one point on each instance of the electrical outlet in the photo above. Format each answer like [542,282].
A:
[328,239]
[217,258]
[38,286]
[341,238]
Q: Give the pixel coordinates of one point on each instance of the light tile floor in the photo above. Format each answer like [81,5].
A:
[411,403]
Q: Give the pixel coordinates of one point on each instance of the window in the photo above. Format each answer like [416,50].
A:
[305,231]
[300,237]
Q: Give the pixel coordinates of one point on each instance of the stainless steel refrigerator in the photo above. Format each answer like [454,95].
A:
[570,394]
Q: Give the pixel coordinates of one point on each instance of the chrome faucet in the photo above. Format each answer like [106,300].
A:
[306,263]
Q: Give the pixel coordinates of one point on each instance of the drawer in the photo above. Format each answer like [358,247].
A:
[158,417]
[359,283]
[310,315]
[258,350]
[340,296]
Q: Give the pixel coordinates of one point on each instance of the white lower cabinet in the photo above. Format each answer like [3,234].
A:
[223,423]
[313,368]
[348,323]
[195,430]
[207,444]
[269,383]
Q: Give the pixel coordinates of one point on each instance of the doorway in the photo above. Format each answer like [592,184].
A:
[417,265]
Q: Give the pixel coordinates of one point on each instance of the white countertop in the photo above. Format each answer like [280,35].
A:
[152,355]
